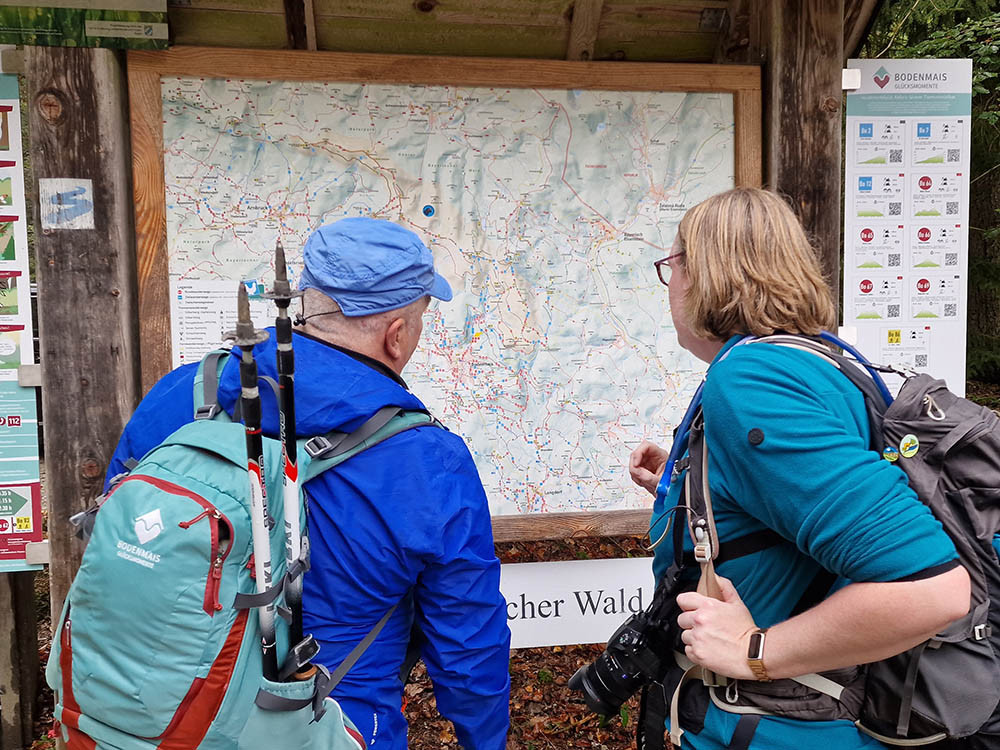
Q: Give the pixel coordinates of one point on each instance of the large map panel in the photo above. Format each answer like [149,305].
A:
[545,210]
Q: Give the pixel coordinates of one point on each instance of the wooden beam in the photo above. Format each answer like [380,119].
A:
[583,29]
[86,287]
[295,23]
[446,71]
[749,158]
[18,660]
[802,122]
[309,13]
[149,191]
[536,526]
[198,26]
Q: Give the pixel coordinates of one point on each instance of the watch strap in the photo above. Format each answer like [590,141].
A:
[755,655]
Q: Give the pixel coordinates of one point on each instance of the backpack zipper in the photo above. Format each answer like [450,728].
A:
[217,554]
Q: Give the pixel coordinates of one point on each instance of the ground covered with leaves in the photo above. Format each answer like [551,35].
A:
[544,713]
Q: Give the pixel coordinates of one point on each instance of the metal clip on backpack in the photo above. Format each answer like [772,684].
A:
[947,688]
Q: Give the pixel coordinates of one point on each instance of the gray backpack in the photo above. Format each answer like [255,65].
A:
[948,686]
[946,690]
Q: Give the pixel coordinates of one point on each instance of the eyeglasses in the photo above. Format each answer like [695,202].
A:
[664,269]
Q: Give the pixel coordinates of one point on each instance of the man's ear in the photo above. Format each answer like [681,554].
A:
[393,339]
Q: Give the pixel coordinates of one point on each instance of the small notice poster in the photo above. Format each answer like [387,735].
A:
[20,488]
[906,213]
[137,24]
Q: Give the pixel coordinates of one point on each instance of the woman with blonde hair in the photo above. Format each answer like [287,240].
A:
[829,558]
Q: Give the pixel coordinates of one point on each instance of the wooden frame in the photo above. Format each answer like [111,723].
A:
[146,68]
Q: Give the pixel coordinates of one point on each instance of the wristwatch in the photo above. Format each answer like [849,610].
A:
[755,655]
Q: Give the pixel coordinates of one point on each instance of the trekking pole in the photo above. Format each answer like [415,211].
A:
[246,337]
[302,650]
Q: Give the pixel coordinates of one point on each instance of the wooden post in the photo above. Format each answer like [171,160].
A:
[18,660]
[86,283]
[804,48]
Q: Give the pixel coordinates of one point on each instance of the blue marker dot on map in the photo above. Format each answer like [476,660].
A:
[428,210]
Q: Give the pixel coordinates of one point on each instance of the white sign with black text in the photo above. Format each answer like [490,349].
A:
[583,601]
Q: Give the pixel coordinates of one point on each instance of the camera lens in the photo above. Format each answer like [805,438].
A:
[606,684]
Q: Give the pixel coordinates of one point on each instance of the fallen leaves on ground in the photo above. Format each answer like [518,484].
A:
[544,713]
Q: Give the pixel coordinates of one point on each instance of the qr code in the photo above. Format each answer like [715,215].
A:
[950,310]
[954,154]
[951,259]
[892,311]
[920,360]
[896,209]
[894,260]
[895,156]
[951,208]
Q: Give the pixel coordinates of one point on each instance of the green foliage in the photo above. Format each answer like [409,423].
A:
[980,41]
[983,360]
[544,676]
[624,716]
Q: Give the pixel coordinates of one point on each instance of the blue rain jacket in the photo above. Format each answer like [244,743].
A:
[406,515]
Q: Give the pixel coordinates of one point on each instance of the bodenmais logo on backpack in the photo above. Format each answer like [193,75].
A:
[147,527]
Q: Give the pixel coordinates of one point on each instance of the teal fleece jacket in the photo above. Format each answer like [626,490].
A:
[814,480]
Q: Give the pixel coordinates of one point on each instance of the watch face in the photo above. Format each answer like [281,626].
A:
[756,650]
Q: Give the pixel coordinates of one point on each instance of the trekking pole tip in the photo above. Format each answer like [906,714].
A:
[245,334]
[282,291]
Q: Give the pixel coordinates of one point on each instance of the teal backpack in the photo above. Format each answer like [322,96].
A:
[158,645]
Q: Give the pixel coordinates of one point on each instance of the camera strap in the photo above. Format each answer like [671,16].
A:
[650,730]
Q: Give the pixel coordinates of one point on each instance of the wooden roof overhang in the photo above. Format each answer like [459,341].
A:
[650,31]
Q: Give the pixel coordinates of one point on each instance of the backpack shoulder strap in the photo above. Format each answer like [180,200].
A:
[697,497]
[325,451]
[206,386]
[863,379]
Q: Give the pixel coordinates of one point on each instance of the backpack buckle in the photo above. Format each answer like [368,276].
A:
[981,632]
[318,446]
[300,655]
[703,552]
[207,411]
[702,544]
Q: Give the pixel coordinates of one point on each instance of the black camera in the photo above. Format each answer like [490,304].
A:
[639,652]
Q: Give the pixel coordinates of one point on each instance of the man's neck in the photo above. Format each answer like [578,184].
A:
[359,349]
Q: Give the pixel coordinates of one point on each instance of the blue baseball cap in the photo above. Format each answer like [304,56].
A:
[369,266]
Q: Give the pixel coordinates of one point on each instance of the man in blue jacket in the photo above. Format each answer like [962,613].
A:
[405,522]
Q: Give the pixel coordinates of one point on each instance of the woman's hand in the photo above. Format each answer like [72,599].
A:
[646,465]
[716,634]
